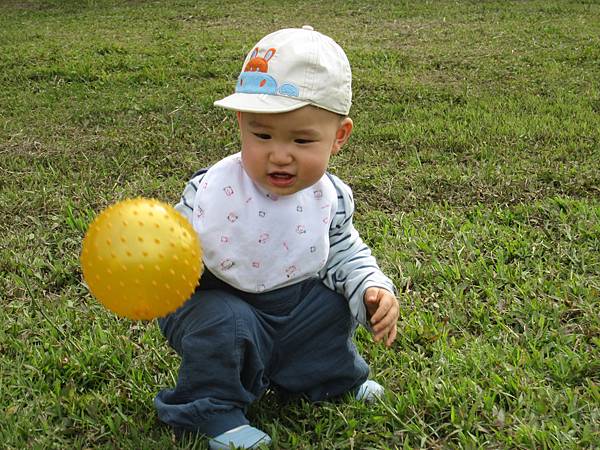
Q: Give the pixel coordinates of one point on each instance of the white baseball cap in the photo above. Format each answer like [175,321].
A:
[292,68]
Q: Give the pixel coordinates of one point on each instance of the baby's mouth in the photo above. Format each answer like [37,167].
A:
[281,178]
[282,175]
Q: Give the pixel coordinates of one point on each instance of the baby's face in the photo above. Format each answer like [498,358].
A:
[287,152]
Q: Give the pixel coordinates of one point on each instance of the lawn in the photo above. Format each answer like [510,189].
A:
[474,164]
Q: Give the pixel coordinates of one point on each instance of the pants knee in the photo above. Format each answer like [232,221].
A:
[327,309]
[207,314]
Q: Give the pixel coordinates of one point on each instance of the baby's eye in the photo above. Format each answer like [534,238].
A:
[262,136]
[303,141]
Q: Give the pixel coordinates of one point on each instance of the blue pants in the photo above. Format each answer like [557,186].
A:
[234,345]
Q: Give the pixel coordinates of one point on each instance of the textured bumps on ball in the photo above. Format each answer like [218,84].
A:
[141,258]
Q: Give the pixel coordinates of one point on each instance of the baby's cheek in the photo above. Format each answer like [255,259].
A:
[315,169]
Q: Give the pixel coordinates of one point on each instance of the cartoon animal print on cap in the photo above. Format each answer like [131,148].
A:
[258,64]
[254,79]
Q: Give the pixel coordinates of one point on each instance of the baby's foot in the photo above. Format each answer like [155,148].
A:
[369,391]
[244,436]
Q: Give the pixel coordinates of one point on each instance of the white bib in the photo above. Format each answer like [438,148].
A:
[256,241]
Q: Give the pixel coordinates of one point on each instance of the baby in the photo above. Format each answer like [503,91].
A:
[287,276]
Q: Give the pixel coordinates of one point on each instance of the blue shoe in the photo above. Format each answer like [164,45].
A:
[369,391]
[244,436]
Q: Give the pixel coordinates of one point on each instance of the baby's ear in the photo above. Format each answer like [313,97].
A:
[342,134]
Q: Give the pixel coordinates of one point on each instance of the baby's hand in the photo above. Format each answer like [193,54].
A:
[382,308]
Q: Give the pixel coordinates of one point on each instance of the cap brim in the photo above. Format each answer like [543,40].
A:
[260,103]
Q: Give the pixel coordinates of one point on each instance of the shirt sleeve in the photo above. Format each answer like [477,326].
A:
[186,203]
[351,268]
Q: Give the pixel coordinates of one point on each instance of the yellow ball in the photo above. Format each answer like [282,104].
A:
[141,258]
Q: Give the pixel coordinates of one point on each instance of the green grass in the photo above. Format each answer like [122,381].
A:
[475,168]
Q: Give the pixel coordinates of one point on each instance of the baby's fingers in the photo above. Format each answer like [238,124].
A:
[391,336]
[386,327]
[385,323]
[387,335]
[382,310]
[386,330]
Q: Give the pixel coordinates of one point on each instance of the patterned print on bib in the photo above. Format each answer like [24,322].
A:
[258,241]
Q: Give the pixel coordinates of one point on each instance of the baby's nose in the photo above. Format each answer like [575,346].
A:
[281,156]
